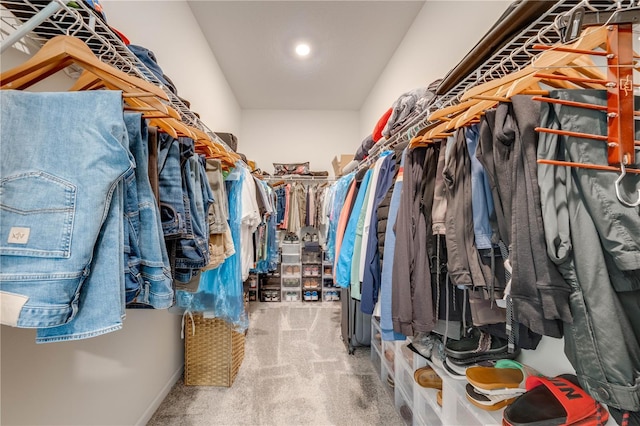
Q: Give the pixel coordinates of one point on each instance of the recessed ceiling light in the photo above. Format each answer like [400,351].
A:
[303,49]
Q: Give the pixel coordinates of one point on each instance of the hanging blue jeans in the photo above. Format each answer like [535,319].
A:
[61,227]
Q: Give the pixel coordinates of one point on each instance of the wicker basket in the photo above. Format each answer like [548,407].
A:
[213,354]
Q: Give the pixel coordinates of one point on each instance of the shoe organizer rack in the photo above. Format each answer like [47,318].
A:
[306,274]
[395,365]
[291,271]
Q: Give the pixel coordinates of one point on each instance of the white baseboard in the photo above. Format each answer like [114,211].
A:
[148,413]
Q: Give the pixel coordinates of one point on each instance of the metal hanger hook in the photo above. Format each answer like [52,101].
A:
[623,173]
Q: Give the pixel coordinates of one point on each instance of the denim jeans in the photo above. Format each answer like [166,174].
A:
[192,250]
[57,208]
[148,58]
[101,302]
[481,196]
[172,206]
[151,283]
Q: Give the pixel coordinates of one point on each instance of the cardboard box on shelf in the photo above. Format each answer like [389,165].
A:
[339,161]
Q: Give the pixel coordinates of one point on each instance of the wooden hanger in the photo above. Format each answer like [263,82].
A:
[139,95]
[90,81]
[519,82]
[62,51]
[550,59]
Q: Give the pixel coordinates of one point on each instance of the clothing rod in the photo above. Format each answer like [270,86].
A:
[299,179]
[511,56]
[100,38]
[31,24]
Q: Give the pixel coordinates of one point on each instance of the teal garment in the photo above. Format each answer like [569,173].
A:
[343,266]
[340,189]
[357,245]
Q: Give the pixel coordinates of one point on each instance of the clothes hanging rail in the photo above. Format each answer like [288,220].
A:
[549,28]
[31,23]
[290,178]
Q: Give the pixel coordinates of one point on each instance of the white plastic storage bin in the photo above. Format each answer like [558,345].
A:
[291,295]
[290,258]
[426,410]
[406,353]
[292,282]
[290,270]
[404,405]
[376,361]
[290,248]
[311,270]
[457,410]
[404,377]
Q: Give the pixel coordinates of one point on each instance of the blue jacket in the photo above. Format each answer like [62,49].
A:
[481,196]
[386,321]
[371,280]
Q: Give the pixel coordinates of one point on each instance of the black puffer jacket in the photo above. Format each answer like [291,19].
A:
[383,208]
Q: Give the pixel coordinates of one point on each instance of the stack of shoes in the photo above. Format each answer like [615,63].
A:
[555,401]
[459,371]
[493,388]
[476,347]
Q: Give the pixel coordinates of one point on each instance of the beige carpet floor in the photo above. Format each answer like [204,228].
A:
[296,371]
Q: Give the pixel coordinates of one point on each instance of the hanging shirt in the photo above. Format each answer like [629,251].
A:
[334,207]
[355,264]
[342,223]
[249,222]
[343,266]
[370,206]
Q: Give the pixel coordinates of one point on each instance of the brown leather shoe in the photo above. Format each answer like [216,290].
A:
[427,378]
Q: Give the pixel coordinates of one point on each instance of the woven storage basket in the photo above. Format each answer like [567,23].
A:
[213,354]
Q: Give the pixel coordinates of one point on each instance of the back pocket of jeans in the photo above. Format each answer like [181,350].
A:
[37,212]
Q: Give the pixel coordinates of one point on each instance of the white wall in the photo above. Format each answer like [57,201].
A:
[170,31]
[441,35]
[115,379]
[270,136]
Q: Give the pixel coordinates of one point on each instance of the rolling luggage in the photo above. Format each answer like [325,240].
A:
[356,326]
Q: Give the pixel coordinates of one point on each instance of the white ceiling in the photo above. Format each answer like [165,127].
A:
[351,43]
